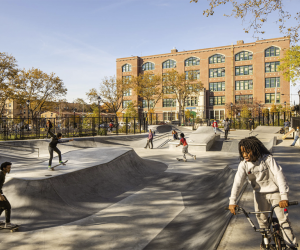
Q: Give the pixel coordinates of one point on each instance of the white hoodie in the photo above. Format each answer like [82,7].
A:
[264,175]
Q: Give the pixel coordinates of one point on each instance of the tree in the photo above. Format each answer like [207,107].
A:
[39,88]
[148,87]
[182,87]
[131,110]
[290,64]
[8,85]
[111,91]
[257,11]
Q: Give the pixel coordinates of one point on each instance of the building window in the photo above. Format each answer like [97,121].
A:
[244,56]
[216,100]
[244,70]
[191,101]
[127,92]
[126,79]
[148,66]
[9,105]
[272,67]
[192,75]
[217,59]
[168,90]
[220,72]
[272,51]
[126,103]
[270,98]
[216,86]
[169,102]
[169,116]
[244,85]
[145,104]
[192,61]
[217,114]
[244,99]
[126,68]
[272,82]
[169,64]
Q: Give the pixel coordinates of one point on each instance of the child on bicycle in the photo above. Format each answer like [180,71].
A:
[268,182]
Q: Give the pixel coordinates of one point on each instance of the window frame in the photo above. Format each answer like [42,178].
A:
[216,58]
[126,66]
[168,63]
[268,51]
[242,54]
[145,66]
[194,61]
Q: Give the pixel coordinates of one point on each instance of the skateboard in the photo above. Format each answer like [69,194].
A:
[178,159]
[64,163]
[11,229]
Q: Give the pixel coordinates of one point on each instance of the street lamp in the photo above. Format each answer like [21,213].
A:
[99,100]
[74,116]
[28,103]
[259,114]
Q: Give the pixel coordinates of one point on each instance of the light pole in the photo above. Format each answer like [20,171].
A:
[99,100]
[74,116]
[28,103]
[259,114]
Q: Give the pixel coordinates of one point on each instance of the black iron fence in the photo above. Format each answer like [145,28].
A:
[23,128]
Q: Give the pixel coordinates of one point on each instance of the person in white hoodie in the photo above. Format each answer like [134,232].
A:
[268,182]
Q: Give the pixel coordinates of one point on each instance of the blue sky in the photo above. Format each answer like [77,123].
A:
[79,40]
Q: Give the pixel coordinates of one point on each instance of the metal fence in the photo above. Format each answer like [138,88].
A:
[23,128]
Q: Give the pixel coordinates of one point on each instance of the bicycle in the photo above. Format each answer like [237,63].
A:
[273,228]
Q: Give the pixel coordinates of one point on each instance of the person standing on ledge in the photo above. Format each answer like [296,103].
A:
[53,147]
[4,203]
[226,127]
[269,185]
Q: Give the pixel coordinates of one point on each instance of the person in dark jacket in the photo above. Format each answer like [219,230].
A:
[4,203]
[251,124]
[53,146]
[226,127]
[48,127]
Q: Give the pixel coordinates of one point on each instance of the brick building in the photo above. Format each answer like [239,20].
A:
[245,72]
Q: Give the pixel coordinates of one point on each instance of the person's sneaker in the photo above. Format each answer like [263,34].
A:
[194,157]
[292,145]
[9,225]
[61,162]
[184,160]
[49,168]
[2,222]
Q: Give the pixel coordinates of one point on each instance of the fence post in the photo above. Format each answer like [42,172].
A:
[126,125]
[278,114]
[133,125]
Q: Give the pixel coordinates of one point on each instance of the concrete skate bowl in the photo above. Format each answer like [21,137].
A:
[49,202]
[202,222]
[267,129]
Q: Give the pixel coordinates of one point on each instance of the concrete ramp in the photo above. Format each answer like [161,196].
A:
[207,130]
[47,201]
[267,129]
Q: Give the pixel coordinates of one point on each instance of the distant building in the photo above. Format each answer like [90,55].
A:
[241,73]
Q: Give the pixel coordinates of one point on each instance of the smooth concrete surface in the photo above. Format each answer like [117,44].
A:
[140,199]
[239,233]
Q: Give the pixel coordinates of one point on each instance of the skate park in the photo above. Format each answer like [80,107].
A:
[114,194]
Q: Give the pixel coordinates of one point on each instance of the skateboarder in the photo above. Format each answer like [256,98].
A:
[4,203]
[215,125]
[269,185]
[296,137]
[185,147]
[53,147]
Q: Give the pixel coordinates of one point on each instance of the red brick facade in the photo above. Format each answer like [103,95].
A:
[257,49]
